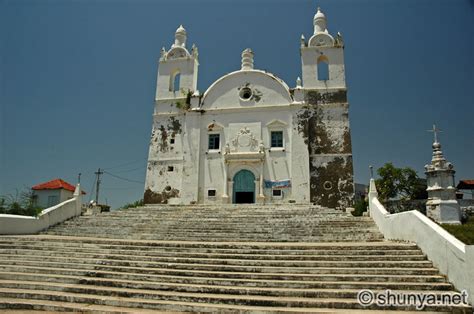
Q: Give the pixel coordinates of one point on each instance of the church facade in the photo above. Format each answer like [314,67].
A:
[250,138]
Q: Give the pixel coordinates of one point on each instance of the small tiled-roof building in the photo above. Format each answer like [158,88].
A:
[466,185]
[53,192]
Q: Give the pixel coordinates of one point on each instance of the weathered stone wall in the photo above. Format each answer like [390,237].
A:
[165,160]
[324,124]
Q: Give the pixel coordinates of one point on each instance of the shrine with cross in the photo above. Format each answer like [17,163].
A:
[441,205]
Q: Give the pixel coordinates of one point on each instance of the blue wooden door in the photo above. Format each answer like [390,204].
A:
[244,187]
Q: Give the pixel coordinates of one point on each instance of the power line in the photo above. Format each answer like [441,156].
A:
[130,170]
[125,164]
[122,178]
[129,188]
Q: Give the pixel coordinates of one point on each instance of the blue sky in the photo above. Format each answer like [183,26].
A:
[78,78]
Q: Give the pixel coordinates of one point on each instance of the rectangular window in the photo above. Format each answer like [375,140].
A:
[214,140]
[53,200]
[172,141]
[211,193]
[276,192]
[170,168]
[277,139]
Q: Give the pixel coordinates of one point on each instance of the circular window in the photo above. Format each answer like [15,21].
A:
[168,188]
[327,185]
[245,93]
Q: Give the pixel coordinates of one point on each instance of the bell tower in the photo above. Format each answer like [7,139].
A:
[326,124]
[178,69]
[323,57]
[176,94]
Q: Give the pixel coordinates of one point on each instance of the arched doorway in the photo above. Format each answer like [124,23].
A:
[244,187]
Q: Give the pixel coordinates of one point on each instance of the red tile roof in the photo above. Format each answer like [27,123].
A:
[55,184]
[466,185]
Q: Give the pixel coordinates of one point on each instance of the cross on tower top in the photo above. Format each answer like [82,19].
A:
[435,131]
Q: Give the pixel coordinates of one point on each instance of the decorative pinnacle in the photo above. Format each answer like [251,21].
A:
[371,172]
[438,157]
[247,59]
[298,82]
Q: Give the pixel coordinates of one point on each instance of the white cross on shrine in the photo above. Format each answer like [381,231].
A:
[435,131]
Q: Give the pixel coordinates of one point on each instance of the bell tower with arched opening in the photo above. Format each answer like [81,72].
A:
[326,119]
[178,69]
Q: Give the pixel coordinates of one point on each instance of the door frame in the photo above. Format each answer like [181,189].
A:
[254,185]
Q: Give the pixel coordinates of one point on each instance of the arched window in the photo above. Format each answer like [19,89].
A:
[175,81]
[323,69]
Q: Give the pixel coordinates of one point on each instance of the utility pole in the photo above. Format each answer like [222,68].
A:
[98,173]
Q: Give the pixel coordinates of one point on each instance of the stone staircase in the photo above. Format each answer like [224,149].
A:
[211,259]
[290,223]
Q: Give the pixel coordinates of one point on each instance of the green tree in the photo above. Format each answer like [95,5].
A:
[21,203]
[396,182]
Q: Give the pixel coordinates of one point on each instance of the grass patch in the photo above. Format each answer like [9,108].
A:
[133,205]
[464,233]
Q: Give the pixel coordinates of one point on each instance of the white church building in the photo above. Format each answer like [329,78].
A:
[250,138]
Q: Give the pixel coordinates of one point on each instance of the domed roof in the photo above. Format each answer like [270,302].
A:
[246,88]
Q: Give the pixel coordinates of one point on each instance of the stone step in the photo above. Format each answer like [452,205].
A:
[218,245]
[25,306]
[257,273]
[211,227]
[256,234]
[159,268]
[240,239]
[186,225]
[239,265]
[192,301]
[226,220]
[258,279]
[269,225]
[151,290]
[301,259]
[51,306]
[255,254]
[197,252]
[215,245]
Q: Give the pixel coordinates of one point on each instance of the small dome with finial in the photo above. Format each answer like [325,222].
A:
[319,14]
[180,37]
[319,22]
[181,30]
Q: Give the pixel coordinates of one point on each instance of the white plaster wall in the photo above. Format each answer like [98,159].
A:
[188,67]
[309,59]
[66,195]
[191,146]
[163,154]
[453,258]
[299,163]
[171,105]
[42,197]
[279,164]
